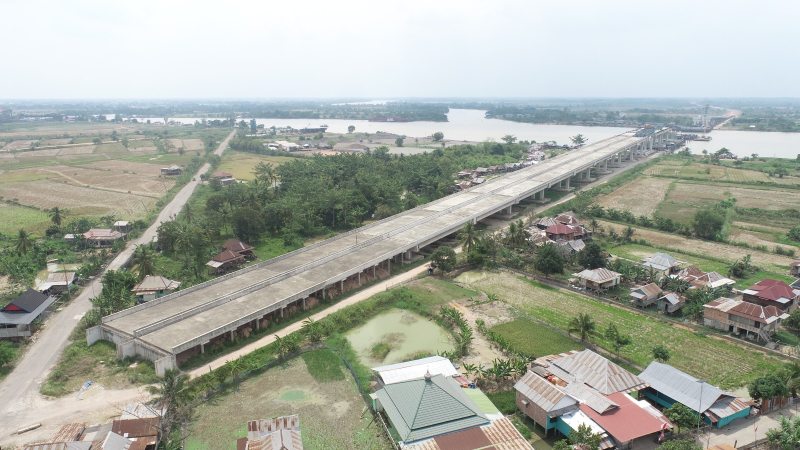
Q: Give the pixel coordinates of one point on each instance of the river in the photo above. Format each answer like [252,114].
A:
[471,125]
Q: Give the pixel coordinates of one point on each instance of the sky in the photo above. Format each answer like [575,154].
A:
[267,49]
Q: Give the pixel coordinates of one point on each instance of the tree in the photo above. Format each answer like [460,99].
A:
[661,353]
[172,395]
[788,435]
[509,139]
[444,258]
[707,223]
[7,352]
[438,136]
[592,256]
[24,242]
[578,139]
[215,184]
[583,324]
[351,129]
[617,339]
[56,215]
[767,387]
[398,142]
[680,444]
[145,259]
[628,233]
[312,329]
[548,260]
[582,438]
[467,237]
[793,321]
[794,234]
[681,415]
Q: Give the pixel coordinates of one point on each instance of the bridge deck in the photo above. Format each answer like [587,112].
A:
[376,243]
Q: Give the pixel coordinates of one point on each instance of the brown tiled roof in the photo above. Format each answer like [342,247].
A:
[226,256]
[560,229]
[463,440]
[221,174]
[650,290]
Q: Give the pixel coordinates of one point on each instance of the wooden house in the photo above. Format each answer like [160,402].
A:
[102,237]
[671,302]
[741,317]
[644,296]
[171,170]
[769,292]
[598,280]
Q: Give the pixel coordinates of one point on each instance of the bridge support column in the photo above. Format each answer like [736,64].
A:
[258,322]
[359,278]
[540,195]
[231,335]
[304,305]
[282,308]
[341,286]
[323,297]
[508,210]
[567,186]
[202,348]
[605,166]
[373,271]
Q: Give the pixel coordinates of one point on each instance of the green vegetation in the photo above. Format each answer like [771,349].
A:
[534,339]
[99,363]
[700,356]
[505,401]
[324,365]
[380,351]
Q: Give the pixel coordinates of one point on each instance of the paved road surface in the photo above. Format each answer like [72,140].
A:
[20,389]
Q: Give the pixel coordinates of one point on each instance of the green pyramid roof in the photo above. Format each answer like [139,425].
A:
[421,409]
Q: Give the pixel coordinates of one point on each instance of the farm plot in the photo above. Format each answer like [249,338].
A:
[38,153]
[535,339]
[241,165]
[754,238]
[111,180]
[186,144]
[720,362]
[14,218]
[697,246]
[78,150]
[115,147]
[58,141]
[139,168]
[18,145]
[80,200]
[669,168]
[771,199]
[641,196]
[329,410]
[747,175]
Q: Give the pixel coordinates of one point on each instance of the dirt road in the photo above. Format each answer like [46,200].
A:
[20,400]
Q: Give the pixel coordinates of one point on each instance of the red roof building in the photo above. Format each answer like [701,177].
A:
[769,292]
[561,231]
[628,421]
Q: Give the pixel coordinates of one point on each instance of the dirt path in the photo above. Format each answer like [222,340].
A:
[20,400]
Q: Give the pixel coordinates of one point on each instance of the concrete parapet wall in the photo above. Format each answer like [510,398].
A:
[164,364]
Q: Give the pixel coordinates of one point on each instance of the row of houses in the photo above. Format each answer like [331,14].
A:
[562,392]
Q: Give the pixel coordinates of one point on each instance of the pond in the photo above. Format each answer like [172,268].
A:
[404,333]
[471,276]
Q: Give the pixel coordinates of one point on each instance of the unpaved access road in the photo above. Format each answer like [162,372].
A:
[20,401]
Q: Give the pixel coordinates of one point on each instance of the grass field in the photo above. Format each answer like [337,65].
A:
[535,339]
[720,362]
[13,218]
[240,164]
[768,261]
[329,407]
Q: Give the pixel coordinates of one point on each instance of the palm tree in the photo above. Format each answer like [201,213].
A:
[145,258]
[467,237]
[172,395]
[57,215]
[24,242]
[594,224]
[583,325]
[183,240]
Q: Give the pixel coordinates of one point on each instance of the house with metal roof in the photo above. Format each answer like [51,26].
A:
[428,407]
[769,292]
[671,302]
[102,237]
[77,445]
[703,280]
[153,287]
[668,385]
[499,434]
[57,282]
[644,296]
[598,280]
[17,318]
[416,369]
[741,317]
[239,247]
[562,392]
[662,263]
[794,268]
[279,433]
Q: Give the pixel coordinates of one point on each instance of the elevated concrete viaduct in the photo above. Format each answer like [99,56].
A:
[171,329]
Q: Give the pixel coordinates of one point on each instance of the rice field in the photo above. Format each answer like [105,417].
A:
[187,144]
[641,196]
[79,200]
[78,150]
[774,199]
[13,218]
[109,180]
[534,339]
[18,145]
[718,361]
[241,165]
[117,165]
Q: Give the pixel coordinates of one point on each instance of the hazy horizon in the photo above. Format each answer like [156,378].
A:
[416,50]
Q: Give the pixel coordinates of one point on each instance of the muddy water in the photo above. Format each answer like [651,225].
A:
[471,276]
[406,333]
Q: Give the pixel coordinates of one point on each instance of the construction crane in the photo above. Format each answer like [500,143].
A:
[705,123]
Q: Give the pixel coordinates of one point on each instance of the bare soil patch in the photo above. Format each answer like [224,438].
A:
[641,196]
[111,180]
[481,352]
[35,153]
[697,246]
[57,141]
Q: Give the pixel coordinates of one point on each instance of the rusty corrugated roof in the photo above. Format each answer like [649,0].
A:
[69,432]
[599,372]
[131,428]
[543,393]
